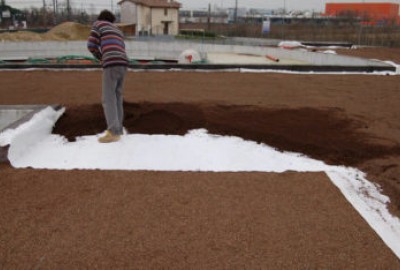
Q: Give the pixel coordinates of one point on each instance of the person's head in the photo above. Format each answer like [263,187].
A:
[106,15]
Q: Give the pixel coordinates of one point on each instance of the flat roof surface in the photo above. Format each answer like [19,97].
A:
[241,58]
[12,116]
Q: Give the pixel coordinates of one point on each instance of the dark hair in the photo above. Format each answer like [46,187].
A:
[106,15]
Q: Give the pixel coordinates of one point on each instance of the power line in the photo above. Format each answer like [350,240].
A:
[89,6]
[37,3]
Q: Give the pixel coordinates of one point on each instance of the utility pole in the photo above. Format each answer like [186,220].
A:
[283,19]
[44,13]
[55,11]
[236,10]
[68,10]
[209,17]
[112,6]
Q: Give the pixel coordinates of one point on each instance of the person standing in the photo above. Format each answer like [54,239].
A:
[106,43]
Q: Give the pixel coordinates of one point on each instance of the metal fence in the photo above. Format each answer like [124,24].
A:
[388,36]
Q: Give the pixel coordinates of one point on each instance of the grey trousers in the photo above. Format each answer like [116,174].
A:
[113,83]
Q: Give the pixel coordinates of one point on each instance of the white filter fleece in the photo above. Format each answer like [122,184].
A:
[397,66]
[370,203]
[30,133]
[196,151]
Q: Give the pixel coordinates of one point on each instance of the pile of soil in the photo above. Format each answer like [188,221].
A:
[68,31]
[61,32]
[21,36]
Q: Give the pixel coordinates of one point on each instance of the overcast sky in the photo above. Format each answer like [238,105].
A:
[316,5]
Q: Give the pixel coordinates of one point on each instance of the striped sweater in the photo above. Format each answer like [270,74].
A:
[106,43]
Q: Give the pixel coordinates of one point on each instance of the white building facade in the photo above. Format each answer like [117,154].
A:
[151,17]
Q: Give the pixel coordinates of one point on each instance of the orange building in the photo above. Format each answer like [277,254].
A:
[373,13]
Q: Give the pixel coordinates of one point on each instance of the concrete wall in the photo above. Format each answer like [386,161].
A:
[39,49]
[172,50]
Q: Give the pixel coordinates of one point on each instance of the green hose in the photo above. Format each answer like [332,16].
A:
[65,58]
[133,62]
[32,60]
[203,61]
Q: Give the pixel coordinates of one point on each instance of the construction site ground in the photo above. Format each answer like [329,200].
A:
[80,219]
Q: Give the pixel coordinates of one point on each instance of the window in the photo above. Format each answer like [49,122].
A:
[165,11]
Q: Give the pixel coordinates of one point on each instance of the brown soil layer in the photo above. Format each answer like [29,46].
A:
[383,54]
[156,220]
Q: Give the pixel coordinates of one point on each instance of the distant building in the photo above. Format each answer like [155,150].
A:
[260,11]
[202,16]
[235,14]
[367,13]
[150,17]
[11,18]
